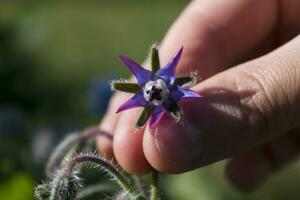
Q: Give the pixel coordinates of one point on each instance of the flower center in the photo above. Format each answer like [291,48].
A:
[156,91]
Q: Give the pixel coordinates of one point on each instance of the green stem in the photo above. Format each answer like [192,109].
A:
[60,151]
[154,186]
[140,185]
[112,170]
[69,145]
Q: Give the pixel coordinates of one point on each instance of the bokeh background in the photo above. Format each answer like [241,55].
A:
[56,59]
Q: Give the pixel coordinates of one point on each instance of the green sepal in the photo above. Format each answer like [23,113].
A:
[175,111]
[183,80]
[155,63]
[125,87]
[143,117]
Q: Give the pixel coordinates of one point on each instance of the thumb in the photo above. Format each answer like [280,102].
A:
[242,108]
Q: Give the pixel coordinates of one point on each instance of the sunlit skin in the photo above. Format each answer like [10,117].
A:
[251,109]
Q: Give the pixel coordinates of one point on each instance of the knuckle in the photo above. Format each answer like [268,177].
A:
[272,83]
[257,106]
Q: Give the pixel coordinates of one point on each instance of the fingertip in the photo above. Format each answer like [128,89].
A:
[127,144]
[172,147]
[152,154]
[105,147]
[108,124]
[105,143]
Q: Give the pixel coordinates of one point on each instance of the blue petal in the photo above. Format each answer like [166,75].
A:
[168,71]
[179,93]
[142,75]
[156,115]
[137,100]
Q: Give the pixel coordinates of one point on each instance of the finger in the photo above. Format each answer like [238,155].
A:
[251,169]
[242,108]
[210,37]
[289,21]
[128,142]
[217,34]
[109,123]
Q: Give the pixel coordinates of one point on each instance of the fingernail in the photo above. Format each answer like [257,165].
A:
[178,143]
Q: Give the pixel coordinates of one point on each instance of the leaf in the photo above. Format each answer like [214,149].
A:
[155,63]
[143,117]
[175,111]
[183,80]
[125,87]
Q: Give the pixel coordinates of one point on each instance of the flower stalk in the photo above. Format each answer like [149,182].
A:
[65,183]
[69,145]
[107,166]
[154,186]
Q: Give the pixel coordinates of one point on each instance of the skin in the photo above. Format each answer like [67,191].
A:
[247,54]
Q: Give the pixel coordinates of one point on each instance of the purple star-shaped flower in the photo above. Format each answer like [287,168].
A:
[158,91]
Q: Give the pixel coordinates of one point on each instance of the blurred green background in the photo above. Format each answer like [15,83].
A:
[56,59]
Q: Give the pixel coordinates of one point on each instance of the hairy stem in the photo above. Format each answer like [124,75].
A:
[140,185]
[70,143]
[113,171]
[94,132]
[154,186]
[60,151]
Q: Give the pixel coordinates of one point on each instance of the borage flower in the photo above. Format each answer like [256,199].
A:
[158,91]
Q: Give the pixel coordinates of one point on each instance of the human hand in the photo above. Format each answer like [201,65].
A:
[250,110]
